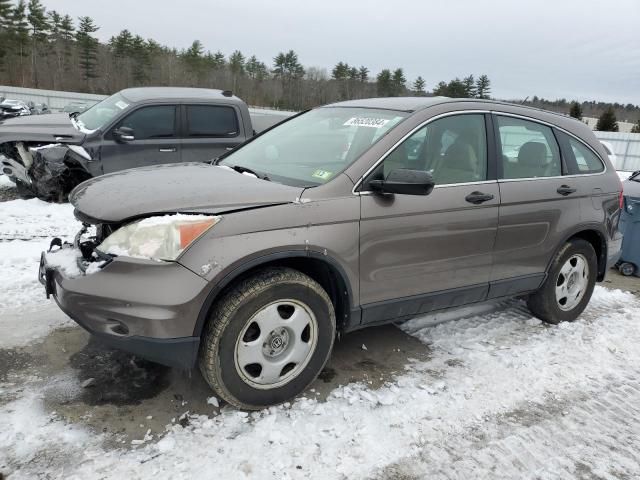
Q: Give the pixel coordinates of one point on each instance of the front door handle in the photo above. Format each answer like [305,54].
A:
[167,150]
[478,197]
[565,190]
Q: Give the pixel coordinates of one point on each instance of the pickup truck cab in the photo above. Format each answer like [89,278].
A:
[48,156]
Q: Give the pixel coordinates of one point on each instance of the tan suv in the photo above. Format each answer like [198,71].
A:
[349,215]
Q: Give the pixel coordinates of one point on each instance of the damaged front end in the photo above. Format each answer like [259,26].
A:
[48,171]
[74,259]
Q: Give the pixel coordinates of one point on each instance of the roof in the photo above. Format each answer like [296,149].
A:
[412,104]
[404,104]
[141,94]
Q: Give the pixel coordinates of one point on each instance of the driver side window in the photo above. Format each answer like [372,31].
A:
[151,122]
[452,149]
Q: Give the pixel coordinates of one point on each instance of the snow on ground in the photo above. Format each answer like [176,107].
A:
[26,228]
[29,219]
[462,414]
[502,396]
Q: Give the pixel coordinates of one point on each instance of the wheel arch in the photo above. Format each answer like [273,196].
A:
[322,268]
[596,237]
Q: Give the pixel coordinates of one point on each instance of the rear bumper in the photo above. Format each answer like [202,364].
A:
[143,307]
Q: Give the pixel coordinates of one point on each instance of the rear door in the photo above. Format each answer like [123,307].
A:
[538,204]
[155,139]
[208,131]
[420,253]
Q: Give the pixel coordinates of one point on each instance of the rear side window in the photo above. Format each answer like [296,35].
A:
[152,122]
[529,149]
[211,121]
[584,160]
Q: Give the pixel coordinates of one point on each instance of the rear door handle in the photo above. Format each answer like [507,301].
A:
[167,150]
[565,190]
[478,197]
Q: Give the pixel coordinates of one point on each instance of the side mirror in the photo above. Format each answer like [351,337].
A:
[124,134]
[404,182]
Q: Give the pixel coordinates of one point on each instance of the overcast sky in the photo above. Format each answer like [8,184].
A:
[576,49]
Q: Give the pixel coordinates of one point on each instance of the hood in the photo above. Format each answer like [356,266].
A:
[52,128]
[179,187]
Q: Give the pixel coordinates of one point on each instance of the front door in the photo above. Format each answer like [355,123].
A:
[155,140]
[421,253]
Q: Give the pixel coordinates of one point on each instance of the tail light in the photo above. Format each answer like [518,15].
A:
[621,195]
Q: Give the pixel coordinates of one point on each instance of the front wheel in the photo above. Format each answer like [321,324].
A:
[268,338]
[569,284]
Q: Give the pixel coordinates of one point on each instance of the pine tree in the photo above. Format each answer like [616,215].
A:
[363,74]
[88,47]
[20,35]
[575,111]
[469,86]
[340,71]
[37,18]
[384,84]
[399,82]
[6,10]
[418,86]
[483,87]
[236,63]
[607,121]
[256,69]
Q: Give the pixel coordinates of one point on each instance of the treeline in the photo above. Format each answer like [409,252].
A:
[42,48]
[622,112]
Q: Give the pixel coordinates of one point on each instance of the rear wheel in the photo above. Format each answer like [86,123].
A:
[568,286]
[268,338]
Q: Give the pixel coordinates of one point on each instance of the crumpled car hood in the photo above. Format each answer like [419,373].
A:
[179,187]
[52,128]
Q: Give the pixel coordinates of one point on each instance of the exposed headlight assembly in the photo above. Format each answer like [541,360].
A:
[158,238]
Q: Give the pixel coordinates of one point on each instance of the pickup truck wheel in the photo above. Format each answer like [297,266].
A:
[569,284]
[267,338]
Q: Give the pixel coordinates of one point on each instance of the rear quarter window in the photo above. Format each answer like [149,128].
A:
[579,158]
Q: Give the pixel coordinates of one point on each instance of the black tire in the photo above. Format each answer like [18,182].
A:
[231,314]
[543,303]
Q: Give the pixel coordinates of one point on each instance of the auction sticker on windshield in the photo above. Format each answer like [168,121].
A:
[366,122]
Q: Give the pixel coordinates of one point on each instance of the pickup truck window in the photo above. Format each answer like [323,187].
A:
[152,122]
[211,121]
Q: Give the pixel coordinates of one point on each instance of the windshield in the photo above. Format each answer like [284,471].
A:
[102,113]
[311,149]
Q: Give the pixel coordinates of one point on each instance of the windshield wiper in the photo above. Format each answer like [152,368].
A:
[634,176]
[241,169]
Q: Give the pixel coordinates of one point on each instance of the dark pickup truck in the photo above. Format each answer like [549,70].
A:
[47,156]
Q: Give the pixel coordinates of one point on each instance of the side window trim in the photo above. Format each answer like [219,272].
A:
[494,167]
